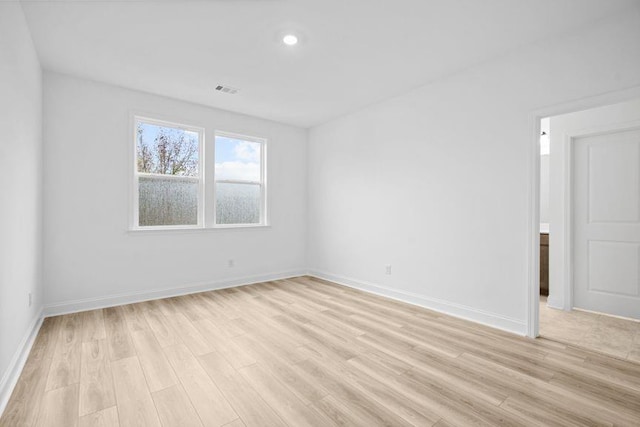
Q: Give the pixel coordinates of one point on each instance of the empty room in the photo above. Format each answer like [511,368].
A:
[238,213]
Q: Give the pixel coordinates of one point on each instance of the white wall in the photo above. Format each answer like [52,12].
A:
[561,127]
[89,254]
[544,175]
[437,182]
[544,189]
[20,189]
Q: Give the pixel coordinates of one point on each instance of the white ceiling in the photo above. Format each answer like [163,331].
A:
[351,52]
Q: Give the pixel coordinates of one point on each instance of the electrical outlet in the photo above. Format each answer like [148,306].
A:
[387,269]
[30,299]
[231,263]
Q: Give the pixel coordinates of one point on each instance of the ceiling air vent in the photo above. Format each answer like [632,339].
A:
[227,89]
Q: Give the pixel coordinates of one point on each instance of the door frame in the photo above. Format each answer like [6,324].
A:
[533,232]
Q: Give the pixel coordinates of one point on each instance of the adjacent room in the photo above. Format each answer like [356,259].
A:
[238,213]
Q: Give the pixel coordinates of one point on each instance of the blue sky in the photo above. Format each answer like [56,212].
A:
[231,150]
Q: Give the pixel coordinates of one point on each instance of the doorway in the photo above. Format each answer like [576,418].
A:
[589,193]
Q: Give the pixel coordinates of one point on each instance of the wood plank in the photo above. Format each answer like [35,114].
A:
[301,386]
[623,400]
[207,399]
[344,414]
[96,382]
[46,341]
[471,403]
[27,397]
[135,405]
[192,307]
[267,333]
[93,326]
[59,407]
[105,418]
[161,328]
[118,339]
[157,370]
[360,404]
[247,403]
[65,364]
[168,306]
[282,400]
[536,414]
[531,389]
[188,333]
[235,423]
[224,345]
[134,316]
[175,409]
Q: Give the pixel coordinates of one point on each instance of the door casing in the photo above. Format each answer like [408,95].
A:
[533,232]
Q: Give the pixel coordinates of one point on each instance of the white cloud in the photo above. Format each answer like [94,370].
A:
[248,151]
[238,170]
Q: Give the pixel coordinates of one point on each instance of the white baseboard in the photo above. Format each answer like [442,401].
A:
[457,310]
[75,306]
[11,375]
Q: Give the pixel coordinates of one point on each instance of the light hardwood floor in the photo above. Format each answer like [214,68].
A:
[304,352]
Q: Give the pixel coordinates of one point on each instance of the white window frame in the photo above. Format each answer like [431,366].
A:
[206,214]
[262,183]
[135,225]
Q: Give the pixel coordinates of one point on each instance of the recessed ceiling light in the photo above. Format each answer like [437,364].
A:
[290,40]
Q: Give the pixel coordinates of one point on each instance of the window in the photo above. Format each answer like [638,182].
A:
[168,174]
[239,179]
[177,186]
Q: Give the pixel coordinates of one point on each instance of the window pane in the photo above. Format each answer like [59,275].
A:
[237,203]
[237,159]
[167,201]
[166,150]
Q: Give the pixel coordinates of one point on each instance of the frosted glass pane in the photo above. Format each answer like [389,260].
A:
[167,201]
[237,160]
[237,203]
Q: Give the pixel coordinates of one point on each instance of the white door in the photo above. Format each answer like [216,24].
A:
[606,222]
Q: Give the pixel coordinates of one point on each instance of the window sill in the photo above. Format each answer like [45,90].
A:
[188,230]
